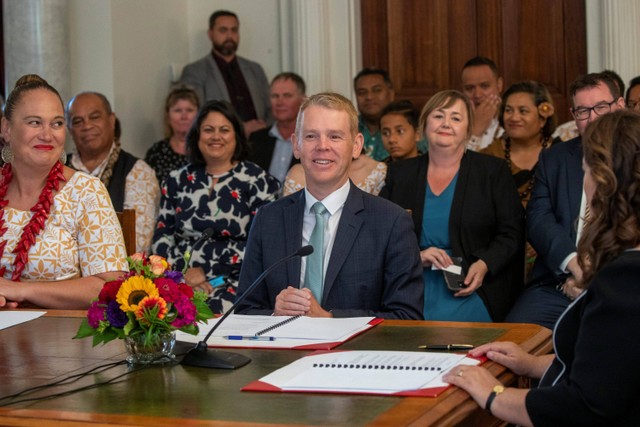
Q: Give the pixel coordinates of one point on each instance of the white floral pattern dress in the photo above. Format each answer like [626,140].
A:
[82,236]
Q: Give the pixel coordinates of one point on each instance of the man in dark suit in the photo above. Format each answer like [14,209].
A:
[271,148]
[366,258]
[557,209]
[224,75]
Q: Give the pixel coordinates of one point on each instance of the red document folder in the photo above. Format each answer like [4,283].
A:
[391,373]
[301,333]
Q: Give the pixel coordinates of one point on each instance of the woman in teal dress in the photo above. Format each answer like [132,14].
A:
[465,205]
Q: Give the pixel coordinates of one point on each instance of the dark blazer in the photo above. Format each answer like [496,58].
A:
[262,145]
[554,207]
[205,77]
[594,379]
[486,221]
[374,267]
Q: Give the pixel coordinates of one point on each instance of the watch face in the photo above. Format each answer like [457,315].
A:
[498,389]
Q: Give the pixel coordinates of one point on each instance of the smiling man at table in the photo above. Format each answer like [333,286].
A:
[366,257]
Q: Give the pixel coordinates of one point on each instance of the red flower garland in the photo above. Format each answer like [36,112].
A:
[40,210]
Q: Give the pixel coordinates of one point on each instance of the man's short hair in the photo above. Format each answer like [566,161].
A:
[616,78]
[218,13]
[287,75]
[331,101]
[105,104]
[591,80]
[373,72]
[478,61]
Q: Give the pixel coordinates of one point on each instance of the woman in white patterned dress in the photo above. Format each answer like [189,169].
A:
[60,239]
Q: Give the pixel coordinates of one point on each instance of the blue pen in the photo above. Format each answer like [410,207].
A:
[249,338]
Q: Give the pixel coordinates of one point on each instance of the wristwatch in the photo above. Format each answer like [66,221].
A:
[496,391]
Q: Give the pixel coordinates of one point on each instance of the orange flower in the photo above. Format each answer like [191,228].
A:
[151,308]
[158,264]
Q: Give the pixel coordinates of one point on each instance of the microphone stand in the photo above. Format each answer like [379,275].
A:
[202,357]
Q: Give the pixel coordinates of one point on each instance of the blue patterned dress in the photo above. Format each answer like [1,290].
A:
[191,202]
[439,302]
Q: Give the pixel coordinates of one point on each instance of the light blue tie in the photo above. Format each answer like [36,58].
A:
[314,274]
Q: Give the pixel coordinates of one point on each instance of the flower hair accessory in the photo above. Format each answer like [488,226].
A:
[150,300]
[546,110]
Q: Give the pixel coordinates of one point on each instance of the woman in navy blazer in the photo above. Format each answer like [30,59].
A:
[485,224]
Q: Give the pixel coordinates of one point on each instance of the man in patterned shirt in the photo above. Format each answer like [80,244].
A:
[131,183]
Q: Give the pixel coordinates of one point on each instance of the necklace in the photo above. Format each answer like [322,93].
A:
[40,210]
[507,157]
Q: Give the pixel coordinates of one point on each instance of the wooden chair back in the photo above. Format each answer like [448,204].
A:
[127,220]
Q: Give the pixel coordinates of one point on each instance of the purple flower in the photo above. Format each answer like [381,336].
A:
[176,276]
[95,314]
[116,317]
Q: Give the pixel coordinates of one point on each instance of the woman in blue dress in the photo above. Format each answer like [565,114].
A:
[217,190]
[464,205]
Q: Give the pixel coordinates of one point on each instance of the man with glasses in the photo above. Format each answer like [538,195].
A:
[557,204]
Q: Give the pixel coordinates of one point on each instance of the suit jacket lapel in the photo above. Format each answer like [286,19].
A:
[348,229]
[293,217]
[218,80]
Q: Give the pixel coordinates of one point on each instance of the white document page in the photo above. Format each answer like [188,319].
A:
[12,318]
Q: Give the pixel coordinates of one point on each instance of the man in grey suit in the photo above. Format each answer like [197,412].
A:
[366,258]
[224,75]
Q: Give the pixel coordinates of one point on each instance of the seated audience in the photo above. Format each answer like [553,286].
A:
[271,147]
[556,211]
[527,116]
[482,83]
[217,190]
[367,174]
[399,130]
[365,260]
[180,108]
[592,379]
[60,235]
[464,205]
[632,99]
[131,183]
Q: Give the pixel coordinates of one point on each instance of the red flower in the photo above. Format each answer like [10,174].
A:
[186,290]
[235,259]
[110,290]
[160,224]
[191,177]
[235,195]
[178,209]
[164,191]
[225,233]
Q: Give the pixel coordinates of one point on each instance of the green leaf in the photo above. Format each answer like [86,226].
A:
[84,330]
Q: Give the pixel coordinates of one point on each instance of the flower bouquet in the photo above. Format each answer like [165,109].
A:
[145,306]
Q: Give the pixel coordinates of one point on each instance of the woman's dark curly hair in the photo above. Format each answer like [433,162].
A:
[612,153]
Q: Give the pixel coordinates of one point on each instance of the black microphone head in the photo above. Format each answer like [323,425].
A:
[207,233]
[305,250]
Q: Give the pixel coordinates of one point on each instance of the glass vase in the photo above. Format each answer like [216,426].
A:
[159,350]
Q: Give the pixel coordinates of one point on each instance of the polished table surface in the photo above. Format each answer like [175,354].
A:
[41,351]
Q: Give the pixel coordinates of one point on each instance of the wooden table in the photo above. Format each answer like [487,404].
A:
[42,350]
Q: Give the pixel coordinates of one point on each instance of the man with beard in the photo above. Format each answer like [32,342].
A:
[224,75]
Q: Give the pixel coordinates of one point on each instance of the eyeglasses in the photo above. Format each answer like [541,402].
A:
[583,113]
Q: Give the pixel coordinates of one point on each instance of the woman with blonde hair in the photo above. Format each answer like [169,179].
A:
[466,211]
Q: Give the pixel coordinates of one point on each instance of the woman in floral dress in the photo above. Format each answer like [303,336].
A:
[218,191]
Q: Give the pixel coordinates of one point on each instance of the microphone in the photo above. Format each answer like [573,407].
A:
[201,356]
[206,235]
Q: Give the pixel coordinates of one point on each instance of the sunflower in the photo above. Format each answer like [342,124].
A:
[133,290]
